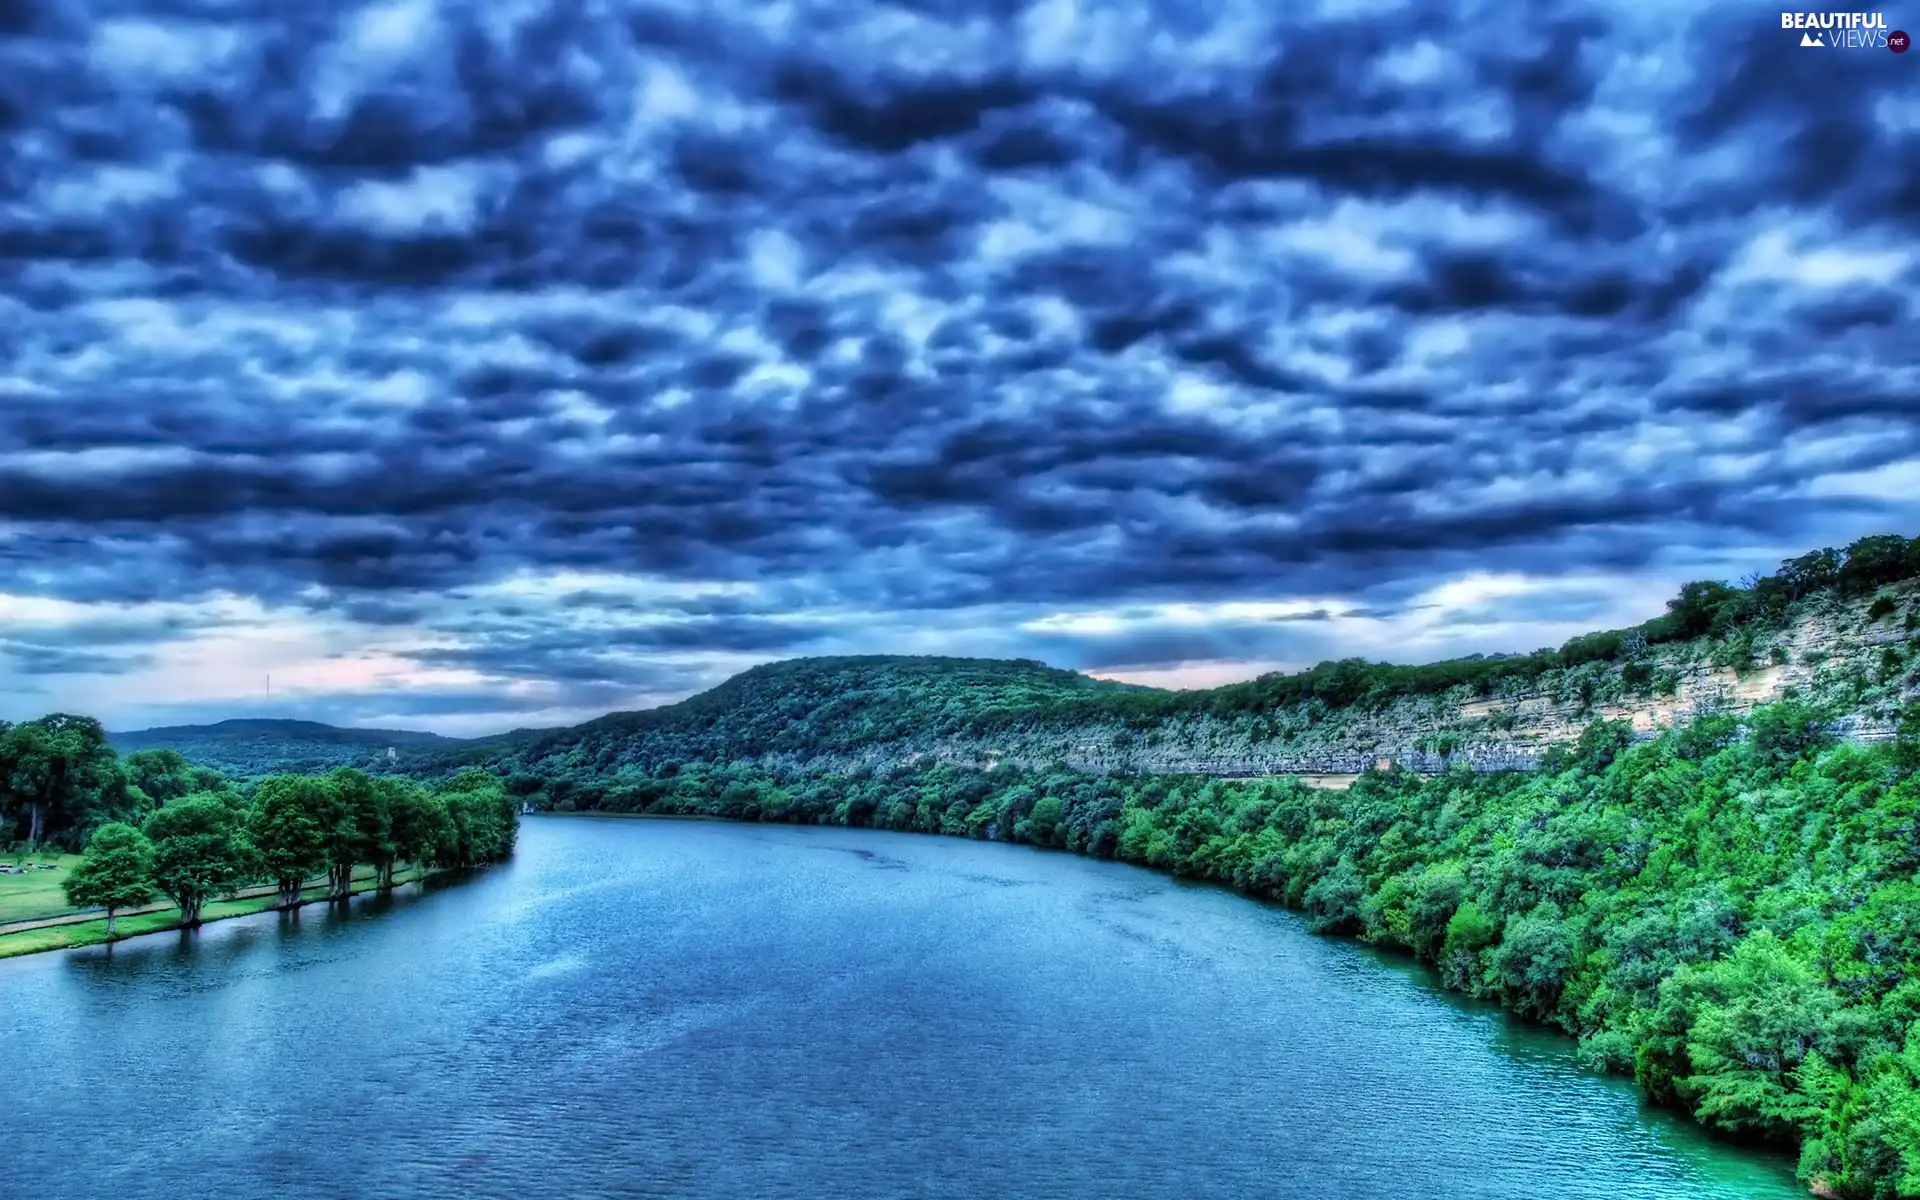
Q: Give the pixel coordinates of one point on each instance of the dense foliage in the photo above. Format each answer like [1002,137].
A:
[59,778]
[152,822]
[1730,911]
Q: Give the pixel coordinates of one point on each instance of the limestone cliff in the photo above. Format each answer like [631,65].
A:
[1854,651]
[1859,656]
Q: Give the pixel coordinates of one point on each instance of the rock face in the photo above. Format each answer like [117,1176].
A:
[1831,652]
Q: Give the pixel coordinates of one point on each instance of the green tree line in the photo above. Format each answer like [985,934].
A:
[1730,912]
[285,829]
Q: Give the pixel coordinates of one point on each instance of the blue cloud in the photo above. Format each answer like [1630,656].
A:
[906,324]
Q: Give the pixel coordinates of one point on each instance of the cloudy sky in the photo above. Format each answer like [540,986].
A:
[469,366]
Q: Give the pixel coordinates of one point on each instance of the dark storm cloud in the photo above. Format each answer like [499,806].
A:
[1836,153]
[30,659]
[91,645]
[541,645]
[390,708]
[892,312]
[563,664]
[1155,641]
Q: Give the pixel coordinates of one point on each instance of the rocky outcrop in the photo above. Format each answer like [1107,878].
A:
[1831,652]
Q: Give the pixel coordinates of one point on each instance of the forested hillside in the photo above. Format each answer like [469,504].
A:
[1729,911]
[1837,629]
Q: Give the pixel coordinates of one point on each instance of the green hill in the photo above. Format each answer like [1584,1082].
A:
[1853,649]
[1841,629]
[247,747]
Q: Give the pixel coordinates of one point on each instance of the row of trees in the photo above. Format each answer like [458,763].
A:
[1730,912]
[291,828]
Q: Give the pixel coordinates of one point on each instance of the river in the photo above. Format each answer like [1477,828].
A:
[694,1009]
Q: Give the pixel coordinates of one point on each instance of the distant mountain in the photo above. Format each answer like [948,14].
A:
[258,727]
[256,746]
[799,706]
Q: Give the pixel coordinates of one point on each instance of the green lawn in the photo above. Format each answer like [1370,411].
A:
[92,933]
[37,893]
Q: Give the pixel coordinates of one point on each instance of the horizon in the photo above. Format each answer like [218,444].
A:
[294,717]
[1170,344]
[1187,679]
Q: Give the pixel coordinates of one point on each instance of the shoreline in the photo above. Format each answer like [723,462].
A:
[82,916]
[78,931]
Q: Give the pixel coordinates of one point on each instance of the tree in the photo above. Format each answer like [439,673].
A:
[482,817]
[198,851]
[1873,562]
[166,775]
[53,767]
[1783,732]
[110,794]
[418,825]
[1705,606]
[115,872]
[287,825]
[1756,1017]
[1531,963]
[1810,572]
[1043,823]
[353,833]
[372,820]
[1906,744]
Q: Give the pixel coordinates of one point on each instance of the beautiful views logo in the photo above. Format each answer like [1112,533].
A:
[1846,31]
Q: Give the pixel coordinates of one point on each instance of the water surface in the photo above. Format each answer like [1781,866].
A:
[690,1009]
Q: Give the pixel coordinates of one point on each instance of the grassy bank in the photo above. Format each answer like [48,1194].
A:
[36,893]
[93,931]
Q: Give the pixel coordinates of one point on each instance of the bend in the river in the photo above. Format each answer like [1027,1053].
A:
[742,1012]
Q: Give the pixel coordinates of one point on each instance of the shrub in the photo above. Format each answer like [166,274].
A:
[1735,652]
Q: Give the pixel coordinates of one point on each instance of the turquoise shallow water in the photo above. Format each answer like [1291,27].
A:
[690,1009]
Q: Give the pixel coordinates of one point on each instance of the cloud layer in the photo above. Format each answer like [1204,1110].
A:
[473,365]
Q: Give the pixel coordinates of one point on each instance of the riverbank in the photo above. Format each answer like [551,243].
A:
[69,931]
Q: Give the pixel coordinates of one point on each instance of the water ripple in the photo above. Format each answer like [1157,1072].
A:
[682,1009]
